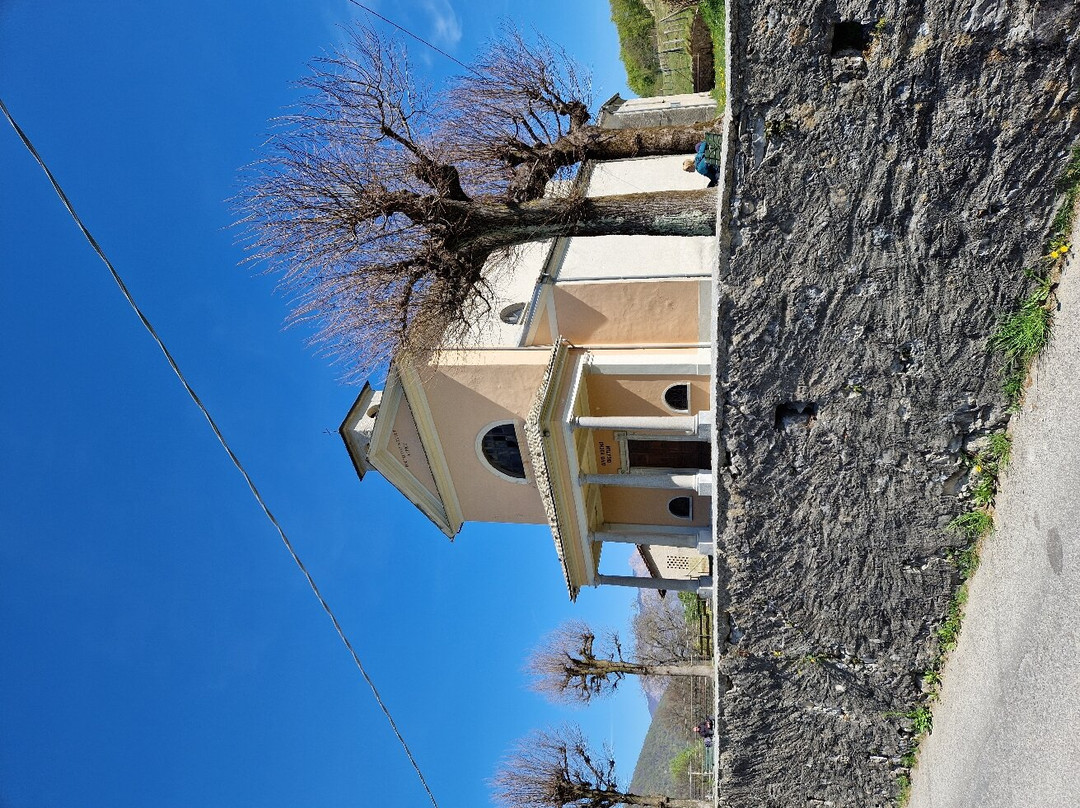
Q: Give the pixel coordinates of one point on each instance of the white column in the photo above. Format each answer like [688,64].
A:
[670,584]
[700,483]
[698,538]
[699,424]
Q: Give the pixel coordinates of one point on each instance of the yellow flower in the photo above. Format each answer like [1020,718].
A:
[977,469]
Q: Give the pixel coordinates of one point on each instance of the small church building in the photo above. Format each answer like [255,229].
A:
[583,400]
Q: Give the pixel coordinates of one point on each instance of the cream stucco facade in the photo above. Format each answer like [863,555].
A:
[582,400]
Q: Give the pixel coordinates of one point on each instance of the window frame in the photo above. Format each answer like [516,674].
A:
[519,309]
[663,397]
[689,511]
[479,446]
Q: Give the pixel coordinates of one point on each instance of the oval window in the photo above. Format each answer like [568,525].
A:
[502,451]
[677,397]
[513,314]
[680,507]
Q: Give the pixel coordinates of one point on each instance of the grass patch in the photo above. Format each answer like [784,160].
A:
[949,632]
[1022,335]
[715,16]
[639,51]
[1019,338]
[1069,187]
[903,789]
[637,46]
[966,561]
[922,720]
[972,525]
[999,449]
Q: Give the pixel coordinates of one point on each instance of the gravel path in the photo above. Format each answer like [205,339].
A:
[1007,729]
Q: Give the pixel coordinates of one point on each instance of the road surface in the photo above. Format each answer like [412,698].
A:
[1007,728]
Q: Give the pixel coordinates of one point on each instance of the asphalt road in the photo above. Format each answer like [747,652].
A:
[1007,728]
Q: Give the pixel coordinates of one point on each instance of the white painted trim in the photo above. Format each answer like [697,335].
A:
[553,315]
[548,441]
[388,464]
[429,436]
[541,309]
[478,446]
[643,363]
[562,244]
[706,311]
[699,276]
[574,462]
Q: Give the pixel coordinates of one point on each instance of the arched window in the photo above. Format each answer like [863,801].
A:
[680,507]
[499,447]
[677,397]
[512,314]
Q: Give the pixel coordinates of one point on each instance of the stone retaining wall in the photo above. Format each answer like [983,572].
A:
[891,180]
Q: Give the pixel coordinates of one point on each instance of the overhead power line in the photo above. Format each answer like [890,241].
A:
[221,439]
[418,38]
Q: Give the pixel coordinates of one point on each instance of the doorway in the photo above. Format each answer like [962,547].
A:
[670,454]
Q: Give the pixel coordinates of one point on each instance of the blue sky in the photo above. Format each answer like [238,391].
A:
[157,645]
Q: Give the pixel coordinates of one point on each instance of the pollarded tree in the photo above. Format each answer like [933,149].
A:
[523,113]
[571,665]
[385,234]
[557,769]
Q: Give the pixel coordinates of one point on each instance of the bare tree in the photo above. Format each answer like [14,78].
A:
[662,632]
[556,768]
[572,665]
[383,240]
[523,114]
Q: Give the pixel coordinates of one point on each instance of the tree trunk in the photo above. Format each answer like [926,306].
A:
[606,667]
[488,225]
[594,143]
[540,163]
[681,669]
[660,801]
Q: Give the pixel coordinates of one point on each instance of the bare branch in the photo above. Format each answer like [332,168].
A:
[572,665]
[556,768]
[382,211]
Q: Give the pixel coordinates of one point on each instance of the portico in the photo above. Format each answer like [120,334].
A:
[591,457]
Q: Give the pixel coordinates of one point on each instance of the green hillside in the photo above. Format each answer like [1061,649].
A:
[685,702]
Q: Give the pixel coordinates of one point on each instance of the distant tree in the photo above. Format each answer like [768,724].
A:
[690,759]
[663,633]
[571,665]
[556,768]
[382,209]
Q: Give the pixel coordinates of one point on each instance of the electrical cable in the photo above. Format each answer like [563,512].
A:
[221,439]
[405,30]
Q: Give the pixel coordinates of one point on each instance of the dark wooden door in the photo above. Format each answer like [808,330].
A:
[670,454]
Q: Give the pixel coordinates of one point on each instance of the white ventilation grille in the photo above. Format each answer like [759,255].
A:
[678,564]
